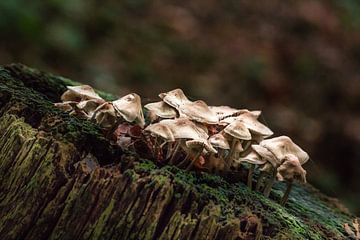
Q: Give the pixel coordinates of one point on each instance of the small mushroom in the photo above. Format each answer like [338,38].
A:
[161,109]
[184,129]
[129,108]
[275,151]
[105,116]
[79,93]
[289,171]
[164,132]
[194,149]
[253,158]
[236,131]
[174,98]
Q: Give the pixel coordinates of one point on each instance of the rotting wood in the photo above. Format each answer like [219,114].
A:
[59,179]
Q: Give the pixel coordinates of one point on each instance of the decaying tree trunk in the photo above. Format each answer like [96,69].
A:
[61,179]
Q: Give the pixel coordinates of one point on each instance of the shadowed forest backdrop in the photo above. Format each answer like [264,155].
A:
[298,61]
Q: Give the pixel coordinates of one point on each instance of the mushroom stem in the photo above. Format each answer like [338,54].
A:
[250,176]
[260,180]
[232,150]
[169,150]
[176,149]
[269,184]
[287,193]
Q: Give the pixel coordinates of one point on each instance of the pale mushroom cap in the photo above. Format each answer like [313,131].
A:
[249,119]
[251,122]
[219,141]
[82,92]
[199,144]
[283,145]
[183,128]
[237,129]
[174,98]
[198,111]
[161,109]
[223,111]
[266,155]
[105,115]
[291,169]
[129,107]
[161,130]
[252,158]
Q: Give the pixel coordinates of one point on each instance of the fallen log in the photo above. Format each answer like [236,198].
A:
[60,178]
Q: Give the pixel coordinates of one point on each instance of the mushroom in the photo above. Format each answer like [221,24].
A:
[275,151]
[290,170]
[194,149]
[253,159]
[161,109]
[174,98]
[129,108]
[163,131]
[105,116]
[184,129]
[236,131]
[198,111]
[79,93]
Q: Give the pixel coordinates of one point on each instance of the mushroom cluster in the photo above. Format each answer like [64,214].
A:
[193,135]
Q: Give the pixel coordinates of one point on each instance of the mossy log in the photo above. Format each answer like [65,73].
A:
[61,179]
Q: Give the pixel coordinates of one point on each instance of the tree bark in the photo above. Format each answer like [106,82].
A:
[61,179]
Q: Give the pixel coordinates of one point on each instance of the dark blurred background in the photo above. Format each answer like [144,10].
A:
[298,61]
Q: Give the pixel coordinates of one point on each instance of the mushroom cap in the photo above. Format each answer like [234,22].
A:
[161,130]
[219,141]
[161,109]
[105,115]
[283,145]
[223,111]
[183,128]
[237,129]
[200,144]
[174,98]
[249,119]
[198,111]
[129,107]
[266,155]
[253,158]
[79,93]
[291,169]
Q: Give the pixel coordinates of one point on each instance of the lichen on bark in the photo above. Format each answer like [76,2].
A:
[61,179]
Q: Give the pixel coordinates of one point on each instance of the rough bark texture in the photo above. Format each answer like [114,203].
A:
[61,179]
